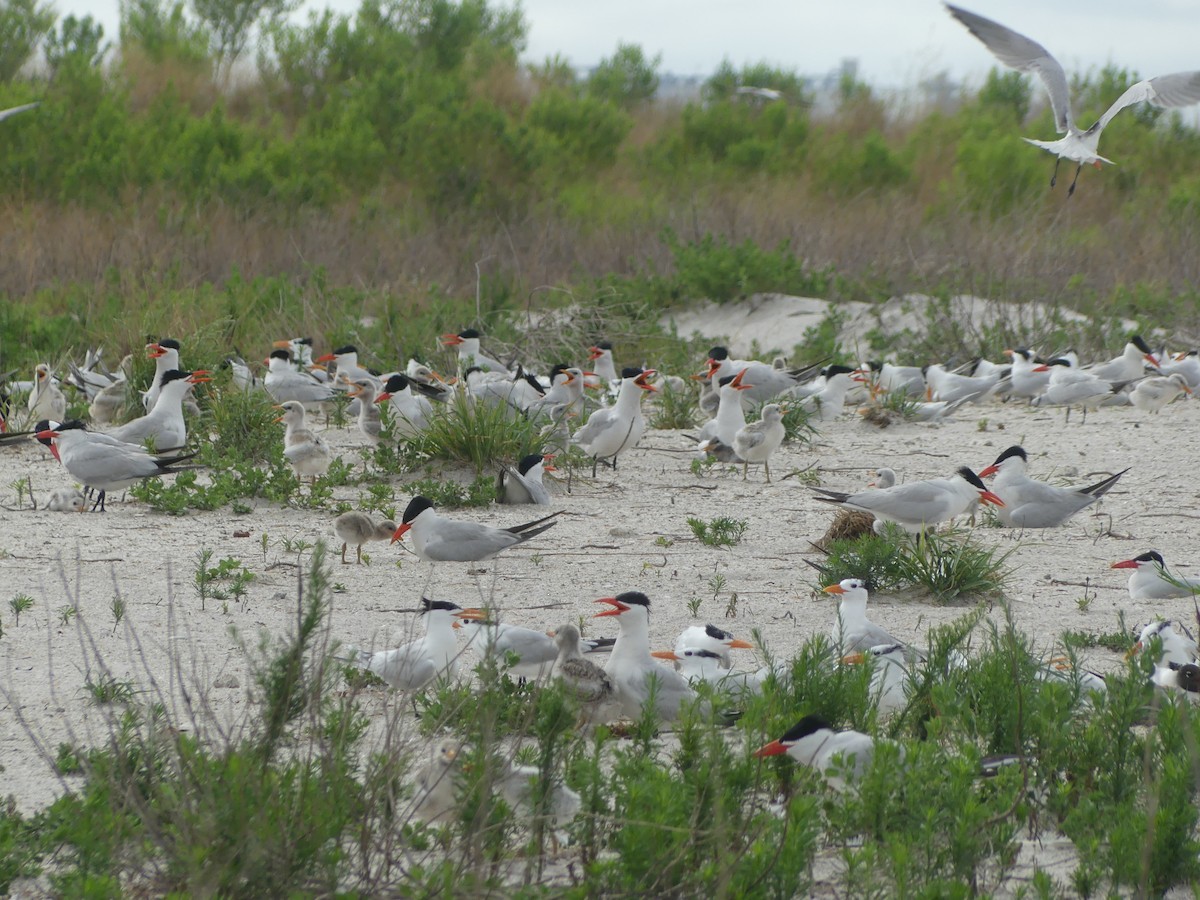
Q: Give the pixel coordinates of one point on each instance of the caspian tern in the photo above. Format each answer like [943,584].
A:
[1174,648]
[840,757]
[300,352]
[437,790]
[565,392]
[614,429]
[884,478]
[1019,52]
[1176,677]
[524,485]
[951,387]
[601,357]
[518,786]
[710,637]
[583,679]
[436,539]
[469,354]
[889,674]
[355,528]
[105,464]
[348,369]
[46,401]
[700,665]
[766,381]
[515,389]
[1035,504]
[412,666]
[1151,580]
[1152,394]
[1069,386]
[370,422]
[1187,364]
[285,384]
[305,449]
[637,678]
[916,505]
[852,630]
[1025,379]
[756,441]
[887,378]
[409,405]
[829,401]
[165,354]
[731,414]
[164,425]
[1129,366]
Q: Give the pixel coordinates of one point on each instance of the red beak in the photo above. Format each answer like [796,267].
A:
[989,497]
[990,470]
[617,607]
[772,749]
[400,532]
[451,340]
[1125,564]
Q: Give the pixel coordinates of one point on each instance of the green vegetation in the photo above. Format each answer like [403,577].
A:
[722,531]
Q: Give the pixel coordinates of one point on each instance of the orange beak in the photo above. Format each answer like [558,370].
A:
[737,382]
[617,607]
[328,357]
[853,658]
[989,497]
[662,654]
[400,532]
[154,351]
[594,353]
[282,345]
[473,614]
[740,645]
[451,340]
[1125,564]
[772,749]
[834,589]
[990,470]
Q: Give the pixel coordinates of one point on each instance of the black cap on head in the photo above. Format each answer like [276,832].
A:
[718,353]
[467,373]
[1151,556]
[169,343]
[716,633]
[528,462]
[469,333]
[1015,450]
[349,348]
[68,426]
[631,372]
[634,598]
[558,369]
[721,382]
[416,506]
[806,726]
[174,375]
[604,345]
[396,383]
[428,605]
[281,354]
[971,477]
[1138,342]
[304,341]
[874,365]
[830,371]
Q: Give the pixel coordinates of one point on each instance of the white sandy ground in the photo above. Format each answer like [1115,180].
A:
[608,541]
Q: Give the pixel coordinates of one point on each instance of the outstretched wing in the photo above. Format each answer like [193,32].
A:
[1168,91]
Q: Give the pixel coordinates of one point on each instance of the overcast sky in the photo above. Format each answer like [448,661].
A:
[897,42]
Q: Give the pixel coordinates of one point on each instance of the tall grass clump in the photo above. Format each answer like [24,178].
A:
[478,434]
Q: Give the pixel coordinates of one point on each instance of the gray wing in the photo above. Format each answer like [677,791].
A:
[1168,91]
[1025,55]
[5,113]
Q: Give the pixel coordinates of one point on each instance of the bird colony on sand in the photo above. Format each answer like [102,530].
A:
[595,409]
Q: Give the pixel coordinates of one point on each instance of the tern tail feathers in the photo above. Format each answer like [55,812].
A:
[1100,488]
[526,530]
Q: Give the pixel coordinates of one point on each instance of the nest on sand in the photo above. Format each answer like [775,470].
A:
[847,524]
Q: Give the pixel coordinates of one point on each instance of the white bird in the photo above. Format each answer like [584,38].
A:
[610,431]
[755,442]
[1025,378]
[300,352]
[523,652]
[565,393]
[412,666]
[1069,386]
[437,539]
[1129,366]
[828,402]
[700,665]
[1178,677]
[305,450]
[731,414]
[66,500]
[518,389]
[890,674]
[436,798]
[410,411]
[348,370]
[524,485]
[14,110]
[952,387]
[469,354]
[285,384]
[852,631]
[840,757]
[165,354]
[918,504]
[517,787]
[600,355]
[884,478]
[109,402]
[1187,364]
[105,464]
[355,528]
[1151,580]
[1152,394]
[1174,648]
[766,381]
[370,422]
[1019,52]
[761,93]
[888,378]
[633,672]
[164,424]
[426,381]
[583,679]
[46,401]
[1035,504]
[711,638]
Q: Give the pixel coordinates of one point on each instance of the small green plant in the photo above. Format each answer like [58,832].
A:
[228,579]
[701,466]
[108,689]
[448,494]
[722,531]
[66,614]
[717,583]
[693,606]
[23,488]
[663,541]
[19,604]
[731,606]
[117,608]
[676,408]
[798,425]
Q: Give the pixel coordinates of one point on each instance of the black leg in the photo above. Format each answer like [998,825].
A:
[595,462]
[1071,189]
[1054,177]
